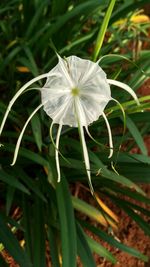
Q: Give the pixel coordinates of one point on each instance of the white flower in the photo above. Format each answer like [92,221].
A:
[76,93]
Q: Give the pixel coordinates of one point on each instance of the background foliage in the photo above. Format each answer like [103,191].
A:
[47,214]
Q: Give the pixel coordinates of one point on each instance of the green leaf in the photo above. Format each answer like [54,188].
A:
[2,262]
[28,154]
[124,191]
[37,132]
[113,242]
[111,175]
[12,181]
[34,230]
[67,224]
[39,241]
[100,250]
[75,13]
[58,9]
[9,198]
[35,19]
[9,58]
[11,244]
[136,135]
[101,34]
[143,224]
[29,182]
[83,248]
[89,210]
[52,237]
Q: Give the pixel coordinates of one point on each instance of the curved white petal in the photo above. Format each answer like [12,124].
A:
[84,147]
[109,134]
[123,112]
[21,90]
[125,87]
[86,158]
[65,70]
[57,153]
[92,86]
[21,134]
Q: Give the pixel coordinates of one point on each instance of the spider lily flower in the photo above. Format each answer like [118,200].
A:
[76,93]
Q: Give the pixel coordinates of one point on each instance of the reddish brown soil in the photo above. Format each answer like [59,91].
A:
[130,234]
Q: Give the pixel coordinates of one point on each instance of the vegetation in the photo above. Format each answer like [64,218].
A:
[49,212]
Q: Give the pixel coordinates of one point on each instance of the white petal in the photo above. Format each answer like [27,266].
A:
[21,135]
[88,75]
[88,78]
[63,67]
[123,112]
[125,87]
[22,89]
[109,134]
[84,147]
[86,158]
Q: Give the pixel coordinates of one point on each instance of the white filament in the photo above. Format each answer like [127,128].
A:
[109,134]
[57,153]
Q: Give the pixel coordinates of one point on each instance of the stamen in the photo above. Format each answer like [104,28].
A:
[57,153]
[75,91]
[109,134]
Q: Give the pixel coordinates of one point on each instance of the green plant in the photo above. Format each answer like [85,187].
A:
[47,215]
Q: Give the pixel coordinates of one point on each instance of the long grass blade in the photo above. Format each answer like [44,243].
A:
[102,31]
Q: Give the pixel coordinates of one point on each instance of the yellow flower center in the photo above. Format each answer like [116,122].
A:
[75,91]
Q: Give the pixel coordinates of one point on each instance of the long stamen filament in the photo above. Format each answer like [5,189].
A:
[57,153]
[109,134]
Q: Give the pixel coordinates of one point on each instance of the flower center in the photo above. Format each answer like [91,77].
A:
[75,91]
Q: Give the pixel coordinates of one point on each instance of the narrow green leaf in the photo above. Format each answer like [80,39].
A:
[39,241]
[29,182]
[34,230]
[27,225]
[136,134]
[35,18]
[124,191]
[2,262]
[89,210]
[9,198]
[113,242]
[101,34]
[67,224]
[11,244]
[37,132]
[100,250]
[52,237]
[9,58]
[83,248]
[28,154]
[111,175]
[122,180]
[76,12]
[12,181]
[143,224]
